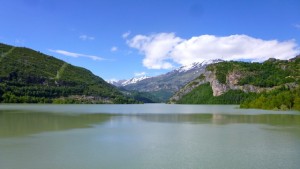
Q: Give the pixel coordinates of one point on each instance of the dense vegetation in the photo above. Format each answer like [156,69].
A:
[147,97]
[283,76]
[279,99]
[283,99]
[144,97]
[267,74]
[28,76]
[203,94]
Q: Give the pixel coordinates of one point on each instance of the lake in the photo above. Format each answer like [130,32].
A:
[149,136]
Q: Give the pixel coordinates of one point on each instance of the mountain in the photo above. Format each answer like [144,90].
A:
[162,87]
[28,76]
[127,82]
[273,84]
[116,83]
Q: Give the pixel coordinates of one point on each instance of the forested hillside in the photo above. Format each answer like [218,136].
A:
[273,84]
[267,74]
[28,76]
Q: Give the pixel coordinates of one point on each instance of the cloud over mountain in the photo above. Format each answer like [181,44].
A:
[156,48]
[163,50]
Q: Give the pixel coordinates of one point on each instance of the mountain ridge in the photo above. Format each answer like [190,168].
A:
[243,83]
[165,85]
[119,83]
[28,76]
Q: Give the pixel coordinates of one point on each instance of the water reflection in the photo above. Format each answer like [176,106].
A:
[20,123]
[270,119]
[137,141]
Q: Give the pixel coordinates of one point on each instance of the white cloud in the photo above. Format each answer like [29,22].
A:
[126,34]
[234,47]
[297,26]
[76,55]
[86,37]
[156,48]
[114,48]
[164,49]
[138,74]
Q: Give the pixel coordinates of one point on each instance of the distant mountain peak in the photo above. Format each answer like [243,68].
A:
[163,86]
[134,80]
[211,61]
[197,65]
[127,82]
[188,67]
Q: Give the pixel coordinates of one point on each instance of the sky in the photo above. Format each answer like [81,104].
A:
[121,39]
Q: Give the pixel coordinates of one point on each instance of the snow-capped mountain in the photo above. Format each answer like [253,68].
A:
[171,81]
[180,74]
[165,85]
[196,65]
[134,80]
[115,82]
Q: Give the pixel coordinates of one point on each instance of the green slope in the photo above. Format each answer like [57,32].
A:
[203,94]
[31,77]
[267,74]
[278,79]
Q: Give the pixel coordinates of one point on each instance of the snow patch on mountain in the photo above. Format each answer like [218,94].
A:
[127,82]
[134,80]
[193,70]
[196,65]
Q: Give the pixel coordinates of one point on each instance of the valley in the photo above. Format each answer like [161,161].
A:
[28,76]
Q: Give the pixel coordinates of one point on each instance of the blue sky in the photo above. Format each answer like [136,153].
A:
[120,39]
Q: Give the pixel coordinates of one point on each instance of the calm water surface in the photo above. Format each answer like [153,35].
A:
[150,136]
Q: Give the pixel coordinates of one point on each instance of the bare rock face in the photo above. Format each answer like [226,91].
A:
[187,88]
[236,72]
[218,88]
[232,80]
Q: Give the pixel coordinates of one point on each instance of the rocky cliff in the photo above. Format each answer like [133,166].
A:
[246,77]
[162,87]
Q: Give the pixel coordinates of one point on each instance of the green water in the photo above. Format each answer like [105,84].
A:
[150,136]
